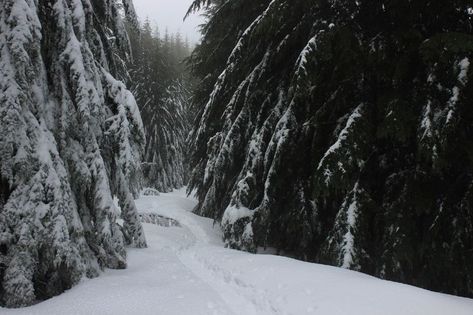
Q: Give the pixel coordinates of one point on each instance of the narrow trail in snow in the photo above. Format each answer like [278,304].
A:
[187,271]
[199,249]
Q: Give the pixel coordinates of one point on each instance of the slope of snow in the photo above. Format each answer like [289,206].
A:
[186,270]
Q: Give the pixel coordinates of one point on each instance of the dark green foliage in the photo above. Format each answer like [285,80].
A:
[341,132]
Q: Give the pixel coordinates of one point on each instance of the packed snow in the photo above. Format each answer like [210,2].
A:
[186,270]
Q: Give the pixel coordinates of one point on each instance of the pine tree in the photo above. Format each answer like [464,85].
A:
[71,139]
[337,131]
[162,86]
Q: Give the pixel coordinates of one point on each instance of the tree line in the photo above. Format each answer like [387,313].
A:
[161,84]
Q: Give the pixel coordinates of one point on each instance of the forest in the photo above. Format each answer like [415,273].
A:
[326,132]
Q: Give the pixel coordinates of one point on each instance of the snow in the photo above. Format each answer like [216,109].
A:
[78,15]
[308,49]
[186,270]
[464,65]
[230,66]
[238,47]
[234,213]
[340,142]
[25,26]
[122,96]
[343,134]
[349,238]
[426,124]
[427,127]
[462,78]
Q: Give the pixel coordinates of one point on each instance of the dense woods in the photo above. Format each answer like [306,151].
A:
[340,132]
[332,131]
[161,85]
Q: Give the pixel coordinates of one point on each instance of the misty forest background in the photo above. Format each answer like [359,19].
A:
[337,132]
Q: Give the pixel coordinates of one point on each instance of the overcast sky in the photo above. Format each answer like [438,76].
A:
[169,13]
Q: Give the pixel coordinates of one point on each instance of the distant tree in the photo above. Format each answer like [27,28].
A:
[161,84]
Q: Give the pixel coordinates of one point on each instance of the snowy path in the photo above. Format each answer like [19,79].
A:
[186,270]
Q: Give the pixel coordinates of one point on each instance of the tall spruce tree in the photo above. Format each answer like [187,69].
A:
[340,132]
[71,138]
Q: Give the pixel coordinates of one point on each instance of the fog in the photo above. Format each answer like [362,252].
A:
[169,14]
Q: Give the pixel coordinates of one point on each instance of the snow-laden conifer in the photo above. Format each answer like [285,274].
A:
[59,155]
[161,85]
[339,132]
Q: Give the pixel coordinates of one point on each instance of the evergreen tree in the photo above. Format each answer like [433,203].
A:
[337,132]
[162,87]
[71,139]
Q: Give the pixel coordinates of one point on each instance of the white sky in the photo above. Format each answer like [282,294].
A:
[169,13]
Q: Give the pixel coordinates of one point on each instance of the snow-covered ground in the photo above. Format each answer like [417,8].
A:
[186,270]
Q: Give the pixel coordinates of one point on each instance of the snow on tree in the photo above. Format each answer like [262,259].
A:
[161,84]
[348,242]
[342,159]
[71,139]
[339,132]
